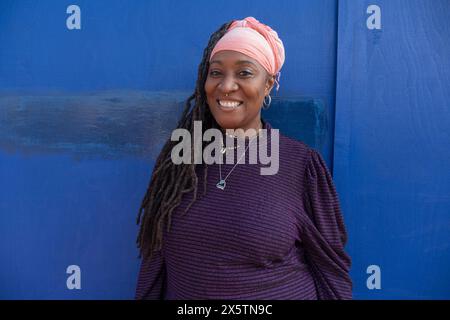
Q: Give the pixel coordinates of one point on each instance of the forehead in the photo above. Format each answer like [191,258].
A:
[233,58]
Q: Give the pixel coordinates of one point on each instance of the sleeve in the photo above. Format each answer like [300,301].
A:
[152,278]
[323,232]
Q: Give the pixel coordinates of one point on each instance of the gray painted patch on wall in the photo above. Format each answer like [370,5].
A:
[116,124]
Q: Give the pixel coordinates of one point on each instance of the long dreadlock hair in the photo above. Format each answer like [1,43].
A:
[169,181]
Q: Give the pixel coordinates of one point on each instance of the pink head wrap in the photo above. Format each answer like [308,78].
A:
[256,40]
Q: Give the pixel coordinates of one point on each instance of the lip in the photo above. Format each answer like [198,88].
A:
[229,109]
[229,99]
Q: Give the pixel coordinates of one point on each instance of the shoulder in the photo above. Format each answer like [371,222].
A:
[294,148]
[294,158]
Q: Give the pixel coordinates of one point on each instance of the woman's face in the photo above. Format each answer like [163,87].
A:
[236,79]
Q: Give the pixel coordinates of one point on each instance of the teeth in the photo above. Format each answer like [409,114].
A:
[229,104]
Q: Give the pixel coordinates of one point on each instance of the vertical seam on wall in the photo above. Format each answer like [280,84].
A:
[333,132]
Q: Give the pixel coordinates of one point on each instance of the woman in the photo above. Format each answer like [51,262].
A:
[247,236]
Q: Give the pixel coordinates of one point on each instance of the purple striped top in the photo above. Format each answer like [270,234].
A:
[264,237]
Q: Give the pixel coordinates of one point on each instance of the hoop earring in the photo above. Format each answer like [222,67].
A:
[266,105]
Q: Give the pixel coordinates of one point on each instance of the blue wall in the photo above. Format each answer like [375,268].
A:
[392,145]
[83,114]
[157,46]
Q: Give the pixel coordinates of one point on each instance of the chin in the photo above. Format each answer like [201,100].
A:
[226,121]
[229,122]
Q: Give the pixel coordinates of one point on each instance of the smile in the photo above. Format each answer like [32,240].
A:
[229,104]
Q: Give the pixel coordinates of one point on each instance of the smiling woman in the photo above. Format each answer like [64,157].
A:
[248,235]
[235,90]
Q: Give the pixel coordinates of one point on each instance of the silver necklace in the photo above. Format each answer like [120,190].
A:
[224,149]
[222,182]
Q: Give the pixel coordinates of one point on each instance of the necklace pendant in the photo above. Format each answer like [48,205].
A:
[221,184]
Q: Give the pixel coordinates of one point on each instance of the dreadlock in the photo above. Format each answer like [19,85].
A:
[169,181]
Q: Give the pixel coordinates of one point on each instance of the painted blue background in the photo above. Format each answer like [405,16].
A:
[83,114]
[392,145]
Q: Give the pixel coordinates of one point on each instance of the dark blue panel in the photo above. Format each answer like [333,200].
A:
[391,161]
[73,172]
[158,45]
[83,114]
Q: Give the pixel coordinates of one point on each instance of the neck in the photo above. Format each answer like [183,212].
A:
[245,133]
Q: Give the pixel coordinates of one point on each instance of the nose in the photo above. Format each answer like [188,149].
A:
[228,84]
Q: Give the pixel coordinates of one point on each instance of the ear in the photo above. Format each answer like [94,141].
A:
[270,81]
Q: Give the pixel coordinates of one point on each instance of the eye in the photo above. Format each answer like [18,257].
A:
[245,73]
[214,73]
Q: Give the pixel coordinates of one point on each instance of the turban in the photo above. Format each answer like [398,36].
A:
[256,40]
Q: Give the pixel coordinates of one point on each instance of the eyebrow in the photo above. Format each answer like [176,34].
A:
[239,62]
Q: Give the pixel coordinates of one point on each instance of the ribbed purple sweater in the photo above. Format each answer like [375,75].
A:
[276,236]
